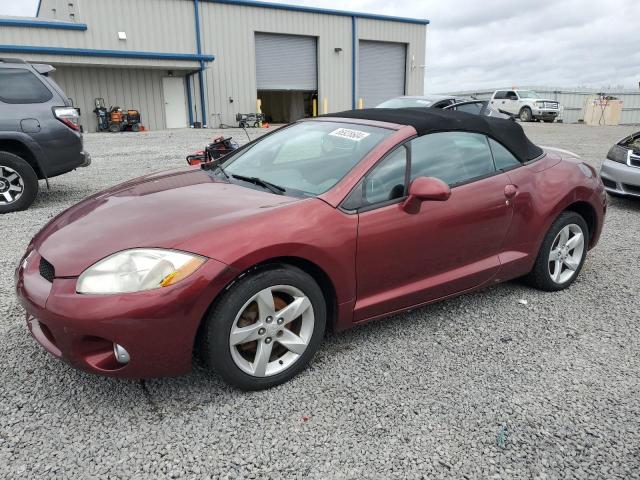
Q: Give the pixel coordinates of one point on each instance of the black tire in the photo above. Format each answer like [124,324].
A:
[135,127]
[216,350]
[27,176]
[540,277]
[525,114]
[548,120]
[256,124]
[114,127]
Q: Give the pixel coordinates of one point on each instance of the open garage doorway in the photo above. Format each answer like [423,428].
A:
[286,75]
[286,106]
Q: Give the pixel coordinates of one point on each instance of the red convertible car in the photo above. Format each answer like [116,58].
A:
[325,223]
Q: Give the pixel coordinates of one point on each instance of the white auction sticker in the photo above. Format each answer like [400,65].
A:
[355,135]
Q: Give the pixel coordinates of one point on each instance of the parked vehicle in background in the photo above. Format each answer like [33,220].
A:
[329,222]
[426,101]
[526,104]
[620,172]
[40,133]
[478,107]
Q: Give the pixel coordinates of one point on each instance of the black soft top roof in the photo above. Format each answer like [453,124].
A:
[430,120]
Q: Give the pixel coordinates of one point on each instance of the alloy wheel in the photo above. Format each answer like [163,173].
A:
[271,331]
[11,185]
[566,253]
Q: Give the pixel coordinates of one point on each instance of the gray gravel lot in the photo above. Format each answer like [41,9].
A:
[482,386]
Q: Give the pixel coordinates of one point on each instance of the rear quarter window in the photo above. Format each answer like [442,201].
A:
[18,85]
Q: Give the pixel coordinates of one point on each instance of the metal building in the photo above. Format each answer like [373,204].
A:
[186,61]
[574,100]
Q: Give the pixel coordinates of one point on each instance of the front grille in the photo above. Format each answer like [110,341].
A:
[46,270]
[550,104]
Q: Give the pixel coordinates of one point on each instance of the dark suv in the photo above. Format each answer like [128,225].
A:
[40,133]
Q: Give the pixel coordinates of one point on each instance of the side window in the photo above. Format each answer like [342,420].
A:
[500,95]
[453,157]
[18,85]
[387,179]
[511,95]
[474,108]
[502,157]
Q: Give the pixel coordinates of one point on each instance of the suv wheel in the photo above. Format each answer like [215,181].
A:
[525,114]
[18,183]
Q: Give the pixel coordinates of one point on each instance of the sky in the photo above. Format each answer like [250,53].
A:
[473,45]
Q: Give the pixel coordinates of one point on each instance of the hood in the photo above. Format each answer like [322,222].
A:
[164,210]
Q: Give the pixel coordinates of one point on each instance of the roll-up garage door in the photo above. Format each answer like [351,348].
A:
[381,71]
[286,62]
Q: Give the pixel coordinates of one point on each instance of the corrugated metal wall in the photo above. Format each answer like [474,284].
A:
[573,101]
[124,87]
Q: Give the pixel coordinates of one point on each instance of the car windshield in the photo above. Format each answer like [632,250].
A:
[306,158]
[528,94]
[405,102]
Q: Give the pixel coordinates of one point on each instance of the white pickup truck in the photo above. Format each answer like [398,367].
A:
[525,104]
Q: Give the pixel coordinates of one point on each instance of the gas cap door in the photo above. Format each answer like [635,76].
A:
[30,125]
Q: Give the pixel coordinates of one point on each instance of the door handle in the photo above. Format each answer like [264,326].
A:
[510,191]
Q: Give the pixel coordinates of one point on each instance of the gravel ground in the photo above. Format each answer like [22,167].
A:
[482,386]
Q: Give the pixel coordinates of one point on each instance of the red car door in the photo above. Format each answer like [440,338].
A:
[405,259]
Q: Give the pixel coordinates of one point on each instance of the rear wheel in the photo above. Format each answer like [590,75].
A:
[114,127]
[18,183]
[266,328]
[562,253]
[135,127]
[525,114]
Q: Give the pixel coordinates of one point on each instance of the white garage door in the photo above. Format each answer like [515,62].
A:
[381,71]
[286,62]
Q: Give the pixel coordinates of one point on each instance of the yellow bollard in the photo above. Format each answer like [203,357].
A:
[314,104]
[325,106]
[360,104]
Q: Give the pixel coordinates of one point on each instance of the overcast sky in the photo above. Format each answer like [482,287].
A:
[475,44]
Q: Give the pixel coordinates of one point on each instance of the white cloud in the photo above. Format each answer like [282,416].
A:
[483,44]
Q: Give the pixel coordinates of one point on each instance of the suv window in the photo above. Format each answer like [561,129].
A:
[386,181]
[500,95]
[511,95]
[453,157]
[503,157]
[18,85]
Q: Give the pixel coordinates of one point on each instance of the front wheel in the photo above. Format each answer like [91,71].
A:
[266,328]
[18,183]
[525,114]
[562,253]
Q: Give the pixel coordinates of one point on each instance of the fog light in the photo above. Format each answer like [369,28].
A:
[122,356]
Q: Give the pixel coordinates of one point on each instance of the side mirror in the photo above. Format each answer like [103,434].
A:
[424,189]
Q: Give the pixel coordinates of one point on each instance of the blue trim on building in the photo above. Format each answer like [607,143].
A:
[326,11]
[354,50]
[189,99]
[107,53]
[15,22]
[203,106]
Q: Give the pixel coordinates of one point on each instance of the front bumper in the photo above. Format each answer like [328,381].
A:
[545,113]
[157,327]
[620,178]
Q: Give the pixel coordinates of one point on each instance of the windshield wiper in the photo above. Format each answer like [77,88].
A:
[277,189]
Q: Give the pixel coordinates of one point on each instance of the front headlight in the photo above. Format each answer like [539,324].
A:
[618,153]
[137,270]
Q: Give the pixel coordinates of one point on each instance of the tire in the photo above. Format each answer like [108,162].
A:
[548,120]
[16,173]
[114,127]
[542,276]
[256,124]
[135,127]
[245,307]
[525,114]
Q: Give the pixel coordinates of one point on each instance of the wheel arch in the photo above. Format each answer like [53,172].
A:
[586,211]
[15,145]
[311,268]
